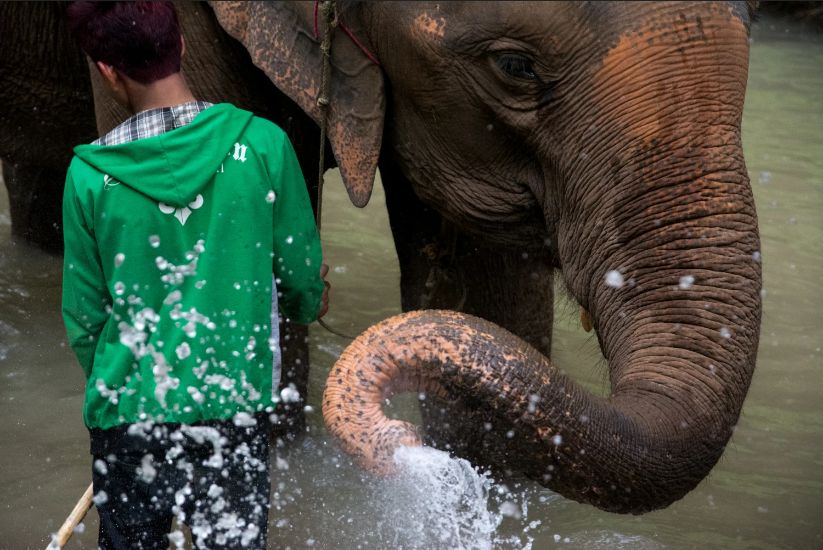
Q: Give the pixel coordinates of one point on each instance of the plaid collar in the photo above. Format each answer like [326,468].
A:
[153,123]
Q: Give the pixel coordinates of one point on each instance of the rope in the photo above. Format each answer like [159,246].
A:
[329,10]
[323,324]
[349,33]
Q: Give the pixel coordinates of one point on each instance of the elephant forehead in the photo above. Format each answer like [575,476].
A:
[683,56]
[670,37]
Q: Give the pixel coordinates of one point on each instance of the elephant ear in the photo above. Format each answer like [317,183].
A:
[280,37]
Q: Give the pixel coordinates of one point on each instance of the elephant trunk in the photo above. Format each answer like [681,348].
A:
[607,452]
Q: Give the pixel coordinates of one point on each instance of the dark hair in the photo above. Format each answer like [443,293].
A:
[140,39]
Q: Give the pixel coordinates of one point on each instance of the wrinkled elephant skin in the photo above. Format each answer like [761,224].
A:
[611,132]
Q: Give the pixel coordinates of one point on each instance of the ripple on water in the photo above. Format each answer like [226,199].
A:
[7,332]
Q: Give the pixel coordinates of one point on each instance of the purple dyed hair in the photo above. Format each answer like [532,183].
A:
[139,39]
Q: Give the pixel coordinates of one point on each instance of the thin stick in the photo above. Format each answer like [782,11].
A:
[75,517]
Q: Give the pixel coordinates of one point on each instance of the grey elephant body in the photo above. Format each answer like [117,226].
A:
[45,109]
[517,140]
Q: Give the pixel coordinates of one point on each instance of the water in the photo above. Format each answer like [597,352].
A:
[458,517]
[766,492]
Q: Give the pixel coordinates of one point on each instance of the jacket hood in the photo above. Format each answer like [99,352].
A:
[175,166]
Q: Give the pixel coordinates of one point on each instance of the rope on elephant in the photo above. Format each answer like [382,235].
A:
[372,57]
[329,10]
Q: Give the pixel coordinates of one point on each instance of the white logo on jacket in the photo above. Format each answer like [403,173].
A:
[182,214]
[239,152]
[109,182]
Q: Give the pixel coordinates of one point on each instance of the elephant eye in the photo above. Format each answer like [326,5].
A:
[516,65]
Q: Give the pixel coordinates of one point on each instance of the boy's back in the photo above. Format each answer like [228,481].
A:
[187,226]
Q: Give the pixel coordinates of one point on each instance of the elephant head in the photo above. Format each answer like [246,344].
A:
[609,132]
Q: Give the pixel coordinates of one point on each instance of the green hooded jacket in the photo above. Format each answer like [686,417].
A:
[170,245]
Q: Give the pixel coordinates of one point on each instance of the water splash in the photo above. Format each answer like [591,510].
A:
[437,501]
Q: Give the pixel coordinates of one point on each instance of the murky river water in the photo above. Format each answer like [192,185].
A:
[766,492]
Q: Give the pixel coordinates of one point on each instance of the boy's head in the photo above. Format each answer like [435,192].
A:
[140,40]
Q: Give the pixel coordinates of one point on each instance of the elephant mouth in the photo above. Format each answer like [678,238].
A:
[500,213]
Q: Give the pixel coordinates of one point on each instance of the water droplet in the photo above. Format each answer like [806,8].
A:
[101,467]
[614,279]
[725,333]
[183,351]
[686,282]
[290,394]
[154,241]
[270,197]
[118,259]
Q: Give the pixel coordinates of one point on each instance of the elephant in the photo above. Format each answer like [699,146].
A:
[516,141]
[610,134]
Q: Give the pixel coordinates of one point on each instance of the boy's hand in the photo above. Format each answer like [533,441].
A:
[324,300]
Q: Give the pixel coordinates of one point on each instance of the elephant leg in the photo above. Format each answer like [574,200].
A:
[35,199]
[45,110]
[444,268]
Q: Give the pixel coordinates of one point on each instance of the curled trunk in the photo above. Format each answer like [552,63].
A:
[602,451]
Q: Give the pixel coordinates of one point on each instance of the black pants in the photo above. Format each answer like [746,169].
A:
[213,478]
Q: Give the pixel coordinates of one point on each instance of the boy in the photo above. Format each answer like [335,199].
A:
[174,222]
